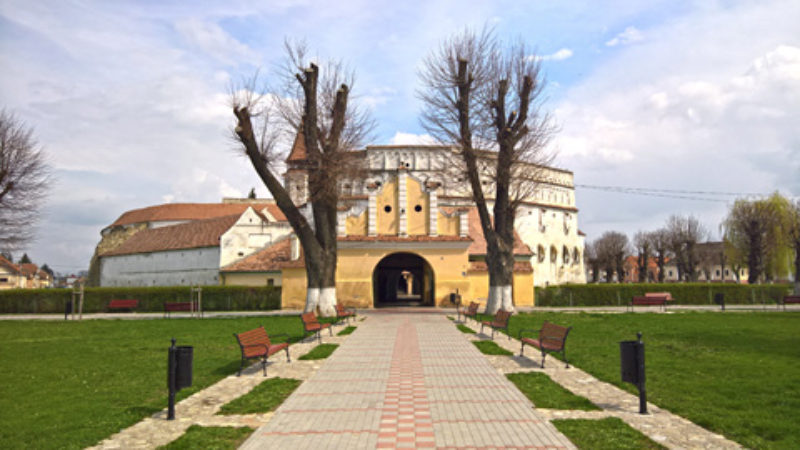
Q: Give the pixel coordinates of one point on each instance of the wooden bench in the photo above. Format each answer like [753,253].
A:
[791,299]
[115,305]
[649,300]
[170,307]
[312,325]
[659,295]
[470,312]
[343,313]
[257,344]
[500,322]
[552,339]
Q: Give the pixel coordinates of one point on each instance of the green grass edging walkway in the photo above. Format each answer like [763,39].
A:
[734,374]
[73,384]
[605,434]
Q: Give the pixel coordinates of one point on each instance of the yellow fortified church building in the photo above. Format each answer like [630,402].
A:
[406,236]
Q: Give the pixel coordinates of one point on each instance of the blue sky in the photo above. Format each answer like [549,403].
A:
[129,99]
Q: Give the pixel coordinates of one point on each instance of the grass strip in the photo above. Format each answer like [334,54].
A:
[546,393]
[264,398]
[491,348]
[465,329]
[605,434]
[52,370]
[731,373]
[217,438]
[321,351]
[346,331]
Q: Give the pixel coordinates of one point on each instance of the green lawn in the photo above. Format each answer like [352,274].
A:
[72,384]
[465,329]
[491,348]
[321,351]
[265,397]
[346,331]
[605,434]
[737,374]
[216,438]
[546,393]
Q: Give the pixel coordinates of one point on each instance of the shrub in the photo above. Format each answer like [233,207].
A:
[151,299]
[683,293]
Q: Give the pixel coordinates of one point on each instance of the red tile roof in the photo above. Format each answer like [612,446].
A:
[269,259]
[194,211]
[8,265]
[196,234]
[519,266]
[396,238]
[29,269]
[298,152]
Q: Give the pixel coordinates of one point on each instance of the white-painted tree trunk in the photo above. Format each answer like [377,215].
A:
[500,297]
[327,302]
[312,300]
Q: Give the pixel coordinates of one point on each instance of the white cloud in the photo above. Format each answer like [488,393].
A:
[401,138]
[216,42]
[560,55]
[628,36]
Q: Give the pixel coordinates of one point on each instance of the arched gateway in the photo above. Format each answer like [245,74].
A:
[403,279]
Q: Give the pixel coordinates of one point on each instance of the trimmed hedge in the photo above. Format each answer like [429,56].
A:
[683,293]
[151,299]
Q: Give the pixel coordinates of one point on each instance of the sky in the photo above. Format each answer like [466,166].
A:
[129,100]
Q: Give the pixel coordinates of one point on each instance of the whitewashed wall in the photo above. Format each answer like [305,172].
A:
[248,235]
[198,266]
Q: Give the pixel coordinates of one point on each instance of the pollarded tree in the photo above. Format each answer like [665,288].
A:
[612,248]
[684,233]
[484,98]
[792,229]
[659,242]
[24,182]
[313,105]
[643,243]
[753,230]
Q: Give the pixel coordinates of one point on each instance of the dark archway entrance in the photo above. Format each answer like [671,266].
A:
[403,279]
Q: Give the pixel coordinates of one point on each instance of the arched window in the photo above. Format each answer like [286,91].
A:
[553,254]
[576,256]
[565,255]
[540,253]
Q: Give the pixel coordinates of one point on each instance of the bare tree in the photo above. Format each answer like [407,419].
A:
[592,260]
[751,229]
[792,227]
[684,234]
[484,98]
[314,107]
[643,243]
[24,181]
[612,248]
[659,242]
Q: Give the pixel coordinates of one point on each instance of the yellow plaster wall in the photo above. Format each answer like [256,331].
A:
[417,222]
[523,289]
[293,291]
[355,268]
[447,226]
[387,223]
[356,225]
[251,279]
[479,288]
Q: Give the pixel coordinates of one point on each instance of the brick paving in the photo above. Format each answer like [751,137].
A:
[407,381]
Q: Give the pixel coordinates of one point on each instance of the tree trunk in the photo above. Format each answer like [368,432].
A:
[501,276]
[321,278]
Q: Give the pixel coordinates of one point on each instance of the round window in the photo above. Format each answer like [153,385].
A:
[418,208]
[387,208]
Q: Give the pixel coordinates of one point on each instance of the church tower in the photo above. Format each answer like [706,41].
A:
[296,177]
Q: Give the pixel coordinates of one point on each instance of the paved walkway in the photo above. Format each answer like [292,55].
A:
[407,381]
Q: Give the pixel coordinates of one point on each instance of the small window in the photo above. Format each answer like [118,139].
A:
[553,255]
[727,272]
[418,208]
[387,208]
[717,272]
[3,280]
[540,253]
[270,282]
[669,273]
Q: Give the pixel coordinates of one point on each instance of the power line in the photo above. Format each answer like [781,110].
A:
[672,193]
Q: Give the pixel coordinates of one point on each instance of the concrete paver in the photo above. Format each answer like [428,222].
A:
[407,381]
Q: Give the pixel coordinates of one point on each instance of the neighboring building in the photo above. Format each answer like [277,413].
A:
[11,276]
[631,268]
[406,234]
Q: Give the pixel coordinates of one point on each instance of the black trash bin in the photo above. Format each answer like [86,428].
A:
[719,298]
[179,373]
[631,357]
[67,309]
